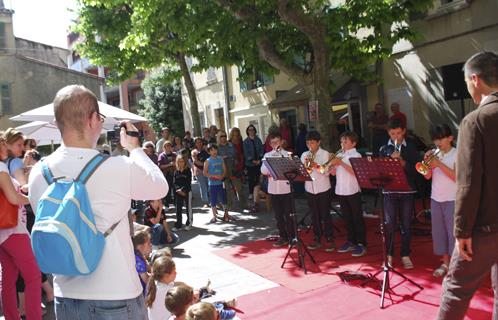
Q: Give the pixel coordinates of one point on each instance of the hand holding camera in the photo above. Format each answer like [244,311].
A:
[129,135]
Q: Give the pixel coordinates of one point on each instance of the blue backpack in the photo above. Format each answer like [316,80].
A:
[64,238]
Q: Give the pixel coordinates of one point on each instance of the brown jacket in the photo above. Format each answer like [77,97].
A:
[476,207]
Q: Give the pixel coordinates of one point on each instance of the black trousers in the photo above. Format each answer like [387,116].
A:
[180,201]
[253,174]
[353,216]
[281,204]
[170,196]
[320,212]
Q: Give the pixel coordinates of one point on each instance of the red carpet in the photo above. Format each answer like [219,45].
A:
[322,295]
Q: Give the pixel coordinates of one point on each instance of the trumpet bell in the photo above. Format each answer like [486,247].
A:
[422,168]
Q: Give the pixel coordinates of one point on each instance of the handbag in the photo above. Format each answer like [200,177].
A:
[9,213]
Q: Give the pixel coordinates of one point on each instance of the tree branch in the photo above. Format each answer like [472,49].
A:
[268,53]
[297,18]
[267,50]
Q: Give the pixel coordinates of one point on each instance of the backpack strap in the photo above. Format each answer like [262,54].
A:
[47,173]
[90,167]
[111,229]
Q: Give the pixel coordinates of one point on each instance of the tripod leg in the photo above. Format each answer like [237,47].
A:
[407,279]
[300,253]
[288,253]
[385,287]
[307,252]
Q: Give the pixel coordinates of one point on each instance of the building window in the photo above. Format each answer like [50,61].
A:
[211,75]
[443,7]
[202,119]
[254,80]
[2,36]
[6,99]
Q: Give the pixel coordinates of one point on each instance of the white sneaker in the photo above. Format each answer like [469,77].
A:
[407,262]
[187,228]
[390,260]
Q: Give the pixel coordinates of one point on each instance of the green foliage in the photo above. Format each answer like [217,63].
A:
[142,34]
[162,104]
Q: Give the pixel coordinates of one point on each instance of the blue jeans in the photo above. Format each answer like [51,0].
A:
[394,204]
[75,309]
[203,186]
[160,237]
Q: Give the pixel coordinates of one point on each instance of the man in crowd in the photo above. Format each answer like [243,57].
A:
[113,290]
[164,137]
[398,115]
[476,217]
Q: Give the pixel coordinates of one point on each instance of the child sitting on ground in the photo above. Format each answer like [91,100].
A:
[202,311]
[178,299]
[161,280]
[181,296]
[143,248]
[260,193]
[155,218]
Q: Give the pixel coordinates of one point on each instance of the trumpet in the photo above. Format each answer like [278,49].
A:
[308,163]
[325,167]
[423,166]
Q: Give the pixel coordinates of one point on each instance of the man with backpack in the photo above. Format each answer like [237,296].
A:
[81,200]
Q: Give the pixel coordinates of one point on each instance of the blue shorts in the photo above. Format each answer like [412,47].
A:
[214,192]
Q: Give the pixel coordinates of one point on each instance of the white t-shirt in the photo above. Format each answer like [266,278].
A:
[346,182]
[321,181]
[158,310]
[110,190]
[21,222]
[275,186]
[443,188]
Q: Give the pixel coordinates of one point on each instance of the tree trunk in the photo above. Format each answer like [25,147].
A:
[194,107]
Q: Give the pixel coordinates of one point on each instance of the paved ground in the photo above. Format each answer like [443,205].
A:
[194,258]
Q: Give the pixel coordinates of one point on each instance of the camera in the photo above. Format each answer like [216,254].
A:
[114,135]
[35,155]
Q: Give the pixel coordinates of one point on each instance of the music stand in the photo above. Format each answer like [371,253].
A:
[382,174]
[291,170]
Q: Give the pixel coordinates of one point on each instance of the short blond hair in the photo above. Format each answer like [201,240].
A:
[73,106]
[201,311]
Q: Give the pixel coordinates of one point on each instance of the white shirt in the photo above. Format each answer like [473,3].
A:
[321,181]
[110,190]
[158,310]
[21,213]
[275,186]
[346,182]
[443,188]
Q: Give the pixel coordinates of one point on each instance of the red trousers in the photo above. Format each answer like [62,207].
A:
[16,255]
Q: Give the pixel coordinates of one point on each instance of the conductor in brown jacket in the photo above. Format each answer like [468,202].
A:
[476,208]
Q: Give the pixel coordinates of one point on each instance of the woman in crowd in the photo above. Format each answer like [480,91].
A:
[199,155]
[253,153]
[235,139]
[177,144]
[16,255]
[15,147]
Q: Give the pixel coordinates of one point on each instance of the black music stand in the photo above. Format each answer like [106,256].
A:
[382,174]
[291,170]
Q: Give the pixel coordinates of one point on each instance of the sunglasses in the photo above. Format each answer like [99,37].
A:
[223,136]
